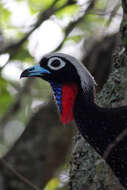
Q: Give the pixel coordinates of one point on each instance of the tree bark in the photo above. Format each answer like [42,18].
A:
[88,170]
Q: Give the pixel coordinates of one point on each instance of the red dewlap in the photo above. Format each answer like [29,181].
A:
[69,93]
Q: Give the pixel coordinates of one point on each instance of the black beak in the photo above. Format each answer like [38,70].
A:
[25,73]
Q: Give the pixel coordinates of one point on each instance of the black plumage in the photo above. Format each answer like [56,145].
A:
[99,126]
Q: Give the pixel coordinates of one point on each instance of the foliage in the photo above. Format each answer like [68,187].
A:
[23,55]
[69,10]
[38,5]
[53,184]
[6,98]
[4,15]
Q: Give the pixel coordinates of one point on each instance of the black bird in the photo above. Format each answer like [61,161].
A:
[73,88]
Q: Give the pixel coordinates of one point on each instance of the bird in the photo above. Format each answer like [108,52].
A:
[74,90]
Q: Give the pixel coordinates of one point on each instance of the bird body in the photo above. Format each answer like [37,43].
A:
[73,88]
[100,127]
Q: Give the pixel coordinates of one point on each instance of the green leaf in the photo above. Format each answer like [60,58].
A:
[23,55]
[70,10]
[75,38]
[60,3]
[39,5]
[5,97]
[4,15]
[13,33]
[100,4]
[53,184]
[90,23]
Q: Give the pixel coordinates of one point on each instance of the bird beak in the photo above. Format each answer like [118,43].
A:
[35,71]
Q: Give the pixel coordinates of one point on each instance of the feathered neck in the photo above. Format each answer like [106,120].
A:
[86,115]
[101,127]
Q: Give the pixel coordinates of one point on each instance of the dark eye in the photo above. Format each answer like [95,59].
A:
[56,63]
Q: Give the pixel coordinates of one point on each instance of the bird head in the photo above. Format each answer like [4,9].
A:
[66,76]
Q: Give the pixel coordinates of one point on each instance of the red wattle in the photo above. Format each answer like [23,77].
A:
[69,93]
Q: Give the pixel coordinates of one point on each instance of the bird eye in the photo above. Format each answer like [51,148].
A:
[55,63]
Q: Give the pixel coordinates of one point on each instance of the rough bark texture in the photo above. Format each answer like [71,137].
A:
[88,171]
[39,152]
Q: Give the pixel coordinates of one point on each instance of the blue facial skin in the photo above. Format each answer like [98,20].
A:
[37,70]
[57,89]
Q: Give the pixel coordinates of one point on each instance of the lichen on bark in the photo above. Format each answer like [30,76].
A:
[87,168]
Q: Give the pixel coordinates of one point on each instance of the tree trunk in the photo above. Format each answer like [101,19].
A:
[88,170]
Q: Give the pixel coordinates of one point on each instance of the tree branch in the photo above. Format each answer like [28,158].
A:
[74,23]
[114,144]
[40,150]
[15,107]
[18,175]
[13,47]
[124,5]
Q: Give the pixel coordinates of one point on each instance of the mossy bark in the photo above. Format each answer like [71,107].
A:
[88,170]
